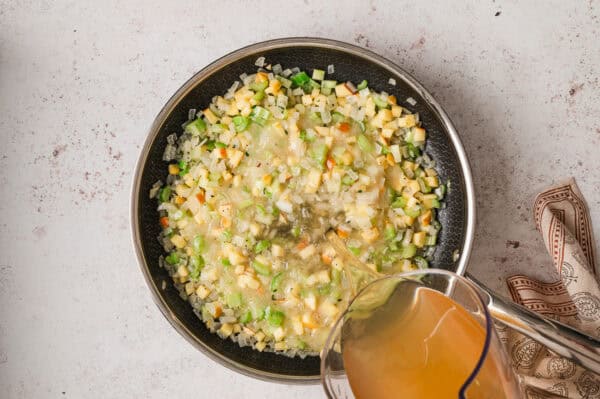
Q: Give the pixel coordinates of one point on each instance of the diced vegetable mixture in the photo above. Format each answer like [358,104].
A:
[258,177]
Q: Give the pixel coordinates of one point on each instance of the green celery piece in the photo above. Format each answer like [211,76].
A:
[408,251]
[421,262]
[431,240]
[361,126]
[172,258]
[336,275]
[274,317]
[259,95]
[261,268]
[234,300]
[399,202]
[304,136]
[379,102]
[261,246]
[259,115]
[225,262]
[362,85]
[240,123]
[329,84]
[259,86]
[337,117]
[199,244]
[300,79]
[324,289]
[226,235]
[319,153]
[413,212]
[165,194]
[347,180]
[354,250]
[364,143]
[318,74]
[196,127]
[246,317]
[389,233]
[276,281]
[425,189]
[413,151]
[296,231]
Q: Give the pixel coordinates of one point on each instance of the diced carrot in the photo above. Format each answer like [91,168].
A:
[179,200]
[164,221]
[301,245]
[200,197]
[222,153]
[392,100]
[343,233]
[330,163]
[326,259]
[344,127]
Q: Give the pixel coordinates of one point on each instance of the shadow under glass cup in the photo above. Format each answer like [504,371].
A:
[420,334]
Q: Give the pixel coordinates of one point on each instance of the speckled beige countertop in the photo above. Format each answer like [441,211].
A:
[80,84]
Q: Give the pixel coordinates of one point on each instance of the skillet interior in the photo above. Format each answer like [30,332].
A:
[348,66]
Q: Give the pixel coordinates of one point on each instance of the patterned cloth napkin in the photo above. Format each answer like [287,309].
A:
[562,218]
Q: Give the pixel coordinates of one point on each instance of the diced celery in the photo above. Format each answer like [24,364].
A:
[276,281]
[354,250]
[362,85]
[234,300]
[348,180]
[261,268]
[259,95]
[319,153]
[364,143]
[408,251]
[225,262]
[389,233]
[240,123]
[337,117]
[261,246]
[431,240]
[210,145]
[399,202]
[274,317]
[421,262]
[379,102]
[196,127]
[413,212]
[318,74]
[425,189]
[361,126]
[246,317]
[300,79]
[259,86]
[165,194]
[305,136]
[260,115]
[413,151]
[295,231]
[226,235]
[324,289]
[329,84]
[172,258]
[336,275]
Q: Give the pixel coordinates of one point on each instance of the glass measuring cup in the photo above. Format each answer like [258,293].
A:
[425,333]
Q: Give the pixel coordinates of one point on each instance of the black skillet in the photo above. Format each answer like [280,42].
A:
[351,63]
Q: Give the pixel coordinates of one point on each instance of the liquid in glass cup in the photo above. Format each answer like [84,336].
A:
[422,334]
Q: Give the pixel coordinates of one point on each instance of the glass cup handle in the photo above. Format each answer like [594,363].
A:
[565,341]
